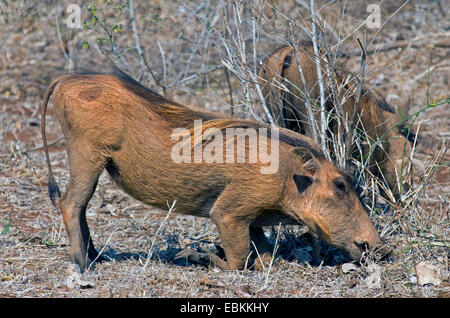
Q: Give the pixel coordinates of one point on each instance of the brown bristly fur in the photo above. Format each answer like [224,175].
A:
[112,122]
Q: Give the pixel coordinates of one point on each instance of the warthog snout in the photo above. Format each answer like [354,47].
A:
[370,243]
[363,239]
[363,246]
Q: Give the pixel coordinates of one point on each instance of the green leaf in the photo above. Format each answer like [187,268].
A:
[6,229]
[46,241]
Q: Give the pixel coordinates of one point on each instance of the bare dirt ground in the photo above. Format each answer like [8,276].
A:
[34,246]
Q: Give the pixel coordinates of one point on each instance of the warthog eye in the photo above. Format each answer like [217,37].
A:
[340,185]
[302,182]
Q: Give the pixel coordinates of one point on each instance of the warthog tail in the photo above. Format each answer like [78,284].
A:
[53,189]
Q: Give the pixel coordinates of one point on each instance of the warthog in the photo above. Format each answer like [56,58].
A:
[112,122]
[390,158]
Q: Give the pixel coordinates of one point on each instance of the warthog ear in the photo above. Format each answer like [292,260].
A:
[310,162]
[302,182]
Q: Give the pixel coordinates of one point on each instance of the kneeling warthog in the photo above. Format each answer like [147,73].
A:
[390,158]
[112,122]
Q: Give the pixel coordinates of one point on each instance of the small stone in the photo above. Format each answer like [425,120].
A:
[353,282]
[374,279]
[427,273]
[348,267]
[5,278]
[74,279]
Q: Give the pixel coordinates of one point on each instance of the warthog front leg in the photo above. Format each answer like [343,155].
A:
[204,258]
[262,256]
[263,249]
[234,233]
[235,242]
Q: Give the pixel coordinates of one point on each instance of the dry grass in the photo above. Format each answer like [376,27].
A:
[34,259]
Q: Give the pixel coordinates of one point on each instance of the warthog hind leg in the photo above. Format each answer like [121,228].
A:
[81,187]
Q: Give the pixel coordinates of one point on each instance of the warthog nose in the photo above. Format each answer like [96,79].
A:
[364,246]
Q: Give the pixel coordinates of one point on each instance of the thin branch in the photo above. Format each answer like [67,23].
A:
[255,80]
[306,92]
[163,56]
[441,42]
[325,23]
[230,90]
[323,121]
[139,49]
[67,54]
[150,252]
[359,89]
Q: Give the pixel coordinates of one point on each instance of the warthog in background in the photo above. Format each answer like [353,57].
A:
[112,122]
[389,159]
